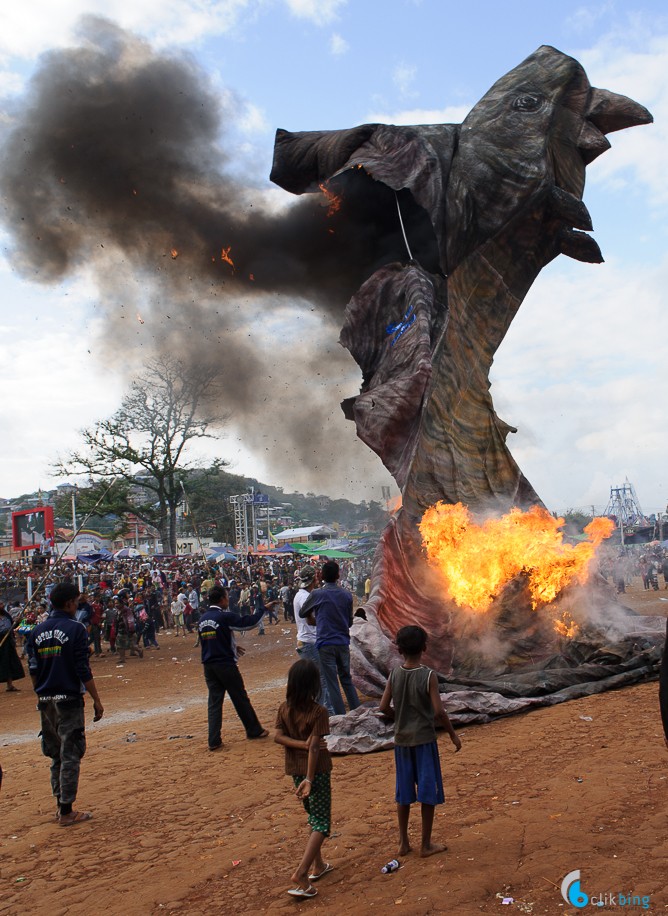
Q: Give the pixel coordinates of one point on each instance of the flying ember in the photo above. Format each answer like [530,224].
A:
[225,256]
[476,561]
[333,200]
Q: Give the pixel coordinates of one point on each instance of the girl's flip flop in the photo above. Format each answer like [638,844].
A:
[303,892]
[325,870]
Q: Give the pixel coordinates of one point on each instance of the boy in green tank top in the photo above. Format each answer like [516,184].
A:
[411,698]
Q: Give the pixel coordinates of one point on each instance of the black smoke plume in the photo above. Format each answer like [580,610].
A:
[122,161]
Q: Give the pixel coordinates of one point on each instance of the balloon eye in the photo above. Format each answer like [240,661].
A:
[527,102]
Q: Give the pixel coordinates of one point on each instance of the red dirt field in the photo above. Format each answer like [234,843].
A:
[179,830]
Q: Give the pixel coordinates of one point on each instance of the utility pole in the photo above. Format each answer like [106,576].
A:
[250,500]
[74,508]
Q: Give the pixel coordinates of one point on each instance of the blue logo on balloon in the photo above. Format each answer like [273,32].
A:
[571,890]
[398,329]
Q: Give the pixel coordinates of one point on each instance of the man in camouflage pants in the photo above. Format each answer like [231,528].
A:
[58,662]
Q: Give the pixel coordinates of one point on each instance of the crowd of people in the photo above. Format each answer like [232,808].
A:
[127,605]
[80,610]
[139,597]
[59,651]
[648,564]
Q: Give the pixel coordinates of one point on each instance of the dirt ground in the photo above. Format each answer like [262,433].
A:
[177,829]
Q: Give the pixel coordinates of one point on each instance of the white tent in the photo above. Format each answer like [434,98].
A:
[300,535]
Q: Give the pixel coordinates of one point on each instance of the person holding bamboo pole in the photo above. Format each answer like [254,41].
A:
[11,668]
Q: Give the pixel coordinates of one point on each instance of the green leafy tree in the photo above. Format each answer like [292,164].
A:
[144,445]
[106,506]
[575,521]
[208,495]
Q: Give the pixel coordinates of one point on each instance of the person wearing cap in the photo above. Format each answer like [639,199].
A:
[332,609]
[306,632]
[219,658]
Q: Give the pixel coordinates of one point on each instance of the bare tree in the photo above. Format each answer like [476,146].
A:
[145,443]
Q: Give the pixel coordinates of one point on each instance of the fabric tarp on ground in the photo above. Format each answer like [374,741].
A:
[582,670]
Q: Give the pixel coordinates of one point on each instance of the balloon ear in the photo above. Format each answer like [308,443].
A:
[302,161]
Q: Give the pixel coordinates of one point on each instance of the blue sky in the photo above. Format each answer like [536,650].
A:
[582,372]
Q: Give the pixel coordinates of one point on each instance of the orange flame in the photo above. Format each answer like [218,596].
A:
[333,200]
[225,256]
[477,561]
[174,253]
[566,626]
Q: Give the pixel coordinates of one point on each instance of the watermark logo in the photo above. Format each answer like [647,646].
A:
[571,891]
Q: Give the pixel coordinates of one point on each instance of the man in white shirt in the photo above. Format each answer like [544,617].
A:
[306,633]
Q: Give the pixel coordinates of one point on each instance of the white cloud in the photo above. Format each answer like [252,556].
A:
[30,29]
[253,120]
[319,12]
[65,388]
[338,45]
[585,17]
[10,83]
[451,114]
[403,77]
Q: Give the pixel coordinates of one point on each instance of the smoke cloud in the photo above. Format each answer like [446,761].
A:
[122,161]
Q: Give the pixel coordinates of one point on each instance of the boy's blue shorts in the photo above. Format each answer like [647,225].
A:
[419,767]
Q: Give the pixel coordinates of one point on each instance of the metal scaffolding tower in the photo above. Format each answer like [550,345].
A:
[624,505]
[245,528]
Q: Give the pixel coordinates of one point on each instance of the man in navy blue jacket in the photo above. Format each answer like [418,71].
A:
[219,657]
[58,662]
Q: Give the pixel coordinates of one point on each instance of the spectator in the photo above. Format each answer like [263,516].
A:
[332,610]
